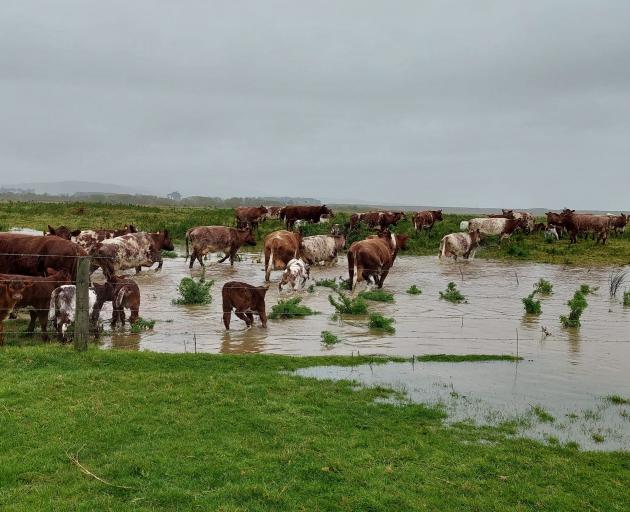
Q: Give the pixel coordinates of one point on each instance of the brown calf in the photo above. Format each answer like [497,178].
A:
[10,294]
[123,293]
[246,300]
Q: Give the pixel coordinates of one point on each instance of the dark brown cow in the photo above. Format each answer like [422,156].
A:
[246,300]
[62,232]
[206,239]
[123,293]
[312,214]
[576,223]
[32,255]
[280,247]
[426,219]
[249,216]
[10,294]
[372,258]
[37,296]
[618,223]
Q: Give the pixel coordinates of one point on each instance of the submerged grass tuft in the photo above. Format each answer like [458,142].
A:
[329,338]
[626,299]
[142,324]
[377,295]
[194,292]
[532,306]
[347,305]
[543,287]
[381,323]
[452,294]
[577,305]
[618,400]
[290,308]
[542,414]
[169,254]
[414,290]
[327,283]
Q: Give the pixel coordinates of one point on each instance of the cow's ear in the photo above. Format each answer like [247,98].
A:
[76,232]
[51,230]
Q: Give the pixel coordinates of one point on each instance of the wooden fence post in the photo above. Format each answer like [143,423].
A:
[82,316]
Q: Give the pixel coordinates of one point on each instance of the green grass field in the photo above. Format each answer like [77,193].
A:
[107,430]
[178,220]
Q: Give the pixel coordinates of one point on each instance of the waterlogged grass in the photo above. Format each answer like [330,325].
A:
[577,305]
[379,322]
[532,306]
[414,290]
[142,324]
[618,400]
[203,432]
[377,295]
[626,299]
[169,254]
[327,283]
[543,287]
[452,294]
[345,305]
[328,338]
[193,291]
[290,308]
[542,414]
[466,358]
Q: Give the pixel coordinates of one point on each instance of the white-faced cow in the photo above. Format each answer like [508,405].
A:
[280,247]
[209,239]
[457,245]
[296,273]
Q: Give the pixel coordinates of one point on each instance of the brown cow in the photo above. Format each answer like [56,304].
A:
[391,219]
[372,258]
[246,300]
[249,216]
[426,219]
[312,214]
[123,293]
[618,223]
[280,247]
[62,232]
[584,223]
[32,255]
[37,296]
[10,294]
[206,239]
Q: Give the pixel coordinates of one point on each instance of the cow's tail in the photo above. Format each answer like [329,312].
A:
[119,300]
[352,270]
[53,304]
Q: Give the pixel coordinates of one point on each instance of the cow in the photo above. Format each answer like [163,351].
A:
[134,250]
[371,259]
[618,223]
[583,223]
[249,216]
[273,212]
[460,244]
[33,255]
[90,238]
[322,249]
[391,219]
[11,292]
[62,232]
[555,220]
[529,219]
[37,296]
[206,239]
[426,219]
[296,273]
[280,247]
[312,214]
[246,300]
[496,226]
[63,304]
[123,293]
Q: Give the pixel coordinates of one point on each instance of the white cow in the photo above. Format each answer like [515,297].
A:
[296,274]
[63,303]
[322,248]
[460,244]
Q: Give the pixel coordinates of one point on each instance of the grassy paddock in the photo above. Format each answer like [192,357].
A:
[204,432]
[177,220]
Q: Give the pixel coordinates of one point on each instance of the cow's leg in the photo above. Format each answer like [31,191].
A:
[193,257]
[383,276]
[243,317]
[200,260]
[138,270]
[227,315]
[43,323]
[263,318]
[160,263]
[250,316]
[31,325]
[268,264]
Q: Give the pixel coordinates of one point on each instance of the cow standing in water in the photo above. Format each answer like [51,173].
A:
[460,245]
[246,300]
[207,239]
[500,226]
[296,274]
[280,247]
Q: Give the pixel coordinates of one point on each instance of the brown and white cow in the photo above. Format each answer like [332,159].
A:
[496,226]
[33,255]
[289,214]
[426,219]
[123,293]
[529,219]
[134,250]
[249,216]
[90,238]
[63,305]
[575,223]
[11,292]
[207,239]
[322,249]
[246,300]
[62,232]
[377,219]
[460,245]
[371,259]
[280,247]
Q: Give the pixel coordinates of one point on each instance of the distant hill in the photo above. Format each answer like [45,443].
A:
[71,187]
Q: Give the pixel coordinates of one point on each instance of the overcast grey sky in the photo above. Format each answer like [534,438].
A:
[479,103]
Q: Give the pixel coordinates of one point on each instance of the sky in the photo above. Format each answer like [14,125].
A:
[481,103]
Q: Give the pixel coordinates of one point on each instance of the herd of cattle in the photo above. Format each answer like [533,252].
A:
[38,272]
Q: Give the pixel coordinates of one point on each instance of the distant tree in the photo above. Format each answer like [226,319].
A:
[175,196]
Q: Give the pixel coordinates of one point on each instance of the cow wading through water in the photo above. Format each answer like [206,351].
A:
[371,259]
[123,293]
[322,249]
[207,239]
[497,226]
[246,300]
[280,247]
[460,245]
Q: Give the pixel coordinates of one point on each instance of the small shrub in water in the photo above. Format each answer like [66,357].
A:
[414,290]
[452,294]
[347,305]
[626,299]
[377,295]
[327,283]
[169,254]
[577,305]
[290,308]
[381,323]
[329,338]
[142,325]
[532,306]
[194,292]
[543,287]
[587,290]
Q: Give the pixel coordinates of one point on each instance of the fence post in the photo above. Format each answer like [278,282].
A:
[82,317]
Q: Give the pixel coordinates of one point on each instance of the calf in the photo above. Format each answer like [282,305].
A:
[63,304]
[296,274]
[206,239]
[280,247]
[37,296]
[322,248]
[425,220]
[246,300]
[123,293]
[460,244]
[10,294]
[371,259]
[134,250]
[249,217]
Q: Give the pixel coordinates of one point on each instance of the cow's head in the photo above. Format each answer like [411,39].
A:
[475,236]
[324,210]
[247,236]
[508,214]
[63,232]
[263,209]
[401,242]
[167,244]
[13,290]
[437,215]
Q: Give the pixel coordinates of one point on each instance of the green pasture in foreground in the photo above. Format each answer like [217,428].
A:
[178,220]
[108,430]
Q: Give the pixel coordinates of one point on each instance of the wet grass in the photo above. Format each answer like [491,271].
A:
[452,294]
[618,400]
[379,322]
[542,414]
[626,299]
[328,338]
[532,306]
[203,432]
[414,290]
[327,283]
[467,358]
[543,287]
[577,305]
[345,305]
[194,291]
[290,308]
[142,324]
[377,295]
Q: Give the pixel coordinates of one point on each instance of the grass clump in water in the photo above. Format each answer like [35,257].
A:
[329,338]
[381,323]
[618,400]
[543,287]
[542,414]
[377,295]
[169,254]
[142,325]
[311,289]
[532,306]
[327,283]
[577,305]
[587,290]
[347,305]
[626,299]
[194,292]
[290,308]
[452,294]
[414,290]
